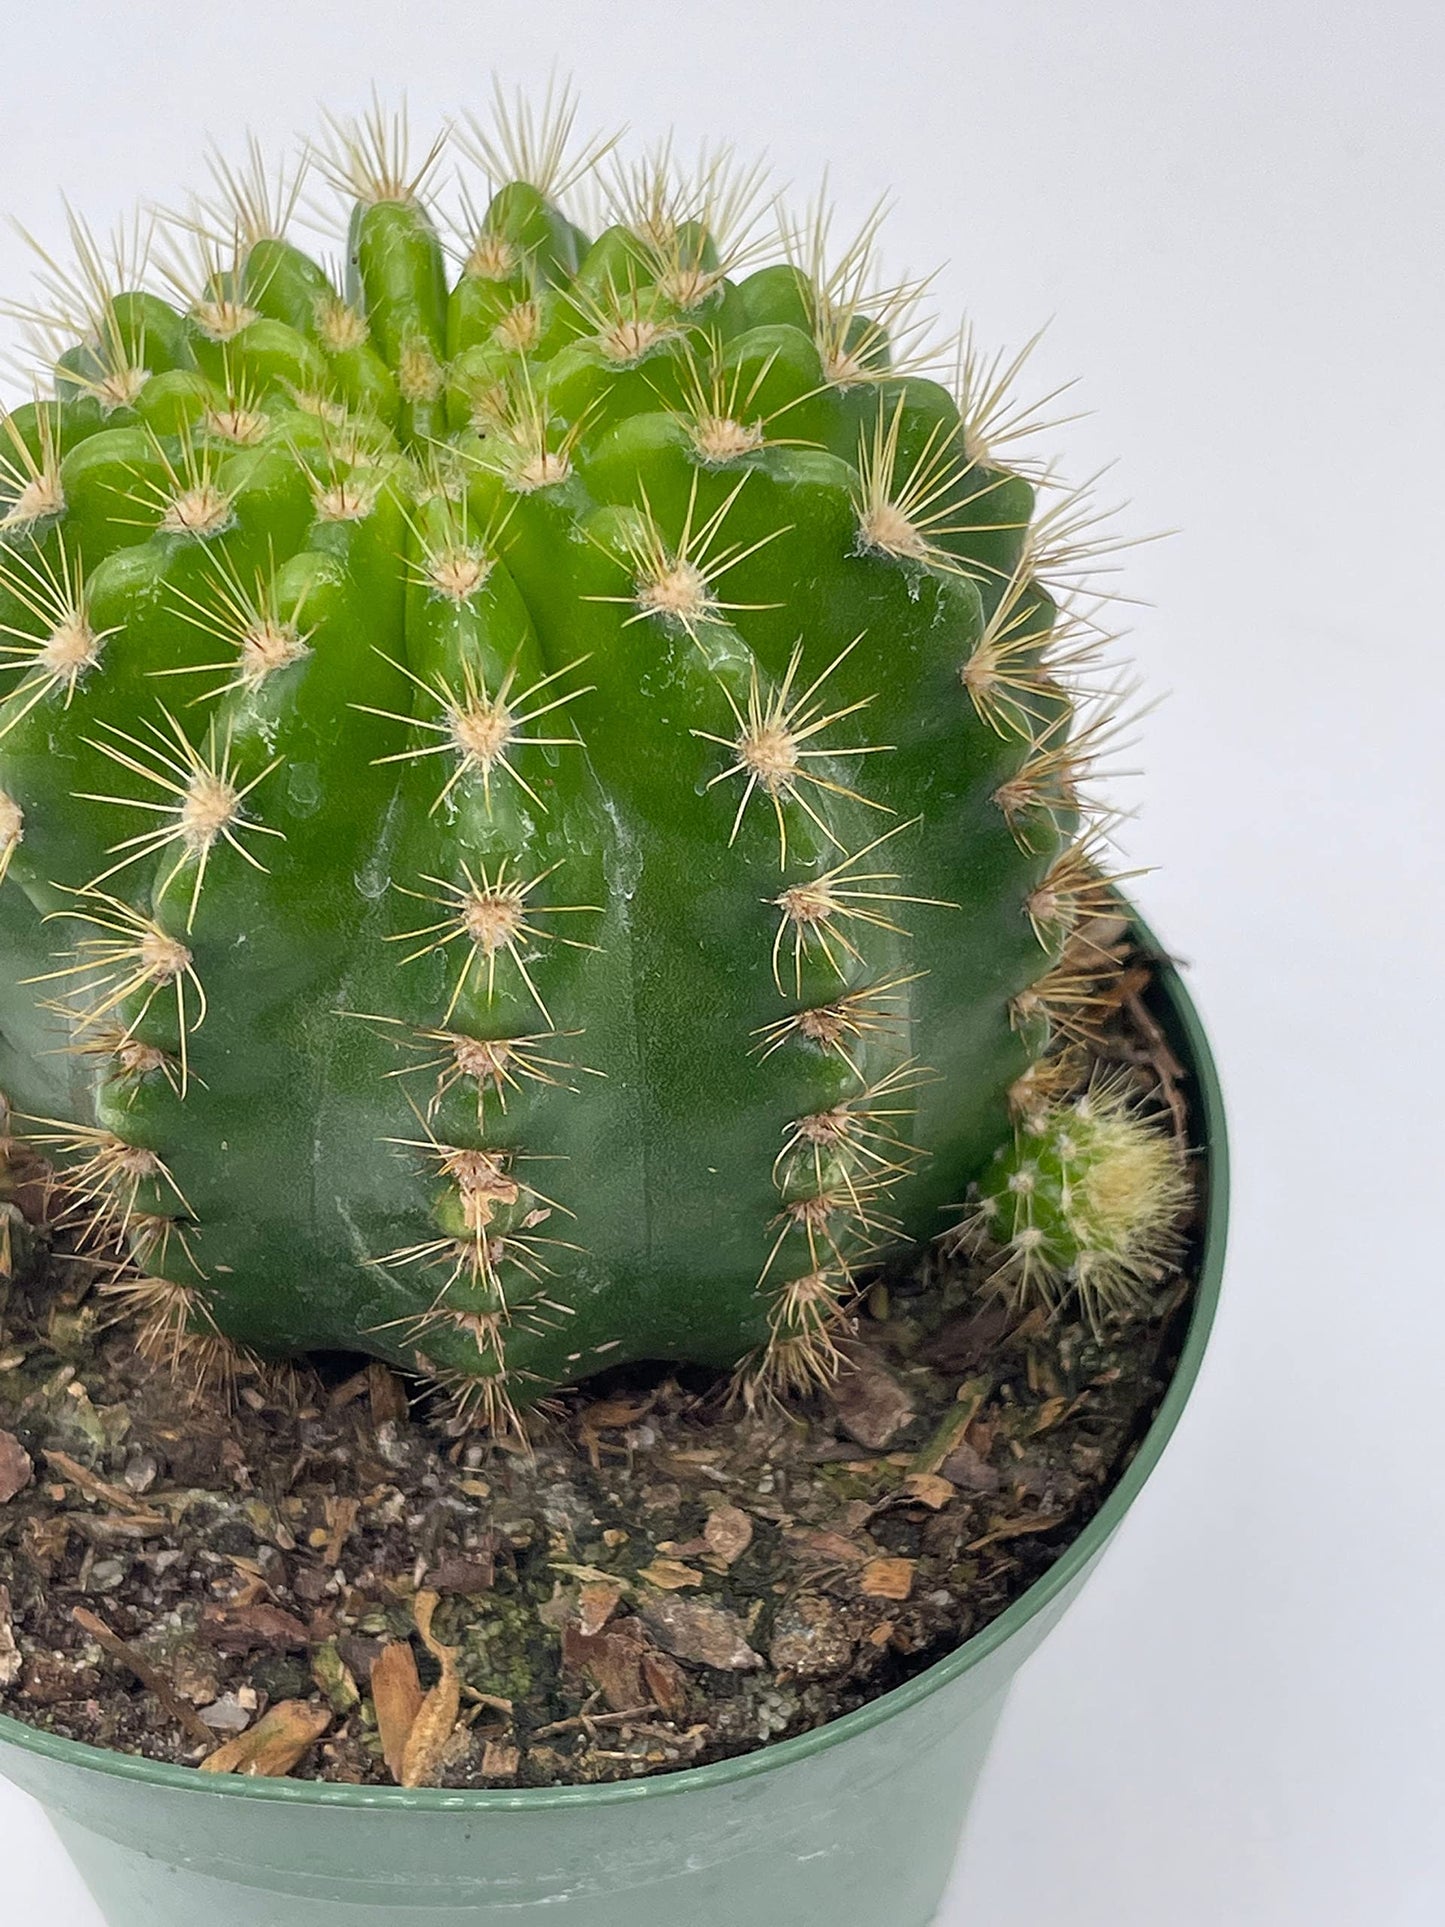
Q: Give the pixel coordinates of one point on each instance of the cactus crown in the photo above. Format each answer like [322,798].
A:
[543,800]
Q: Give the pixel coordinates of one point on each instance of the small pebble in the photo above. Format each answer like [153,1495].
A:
[227,1715]
[141,1472]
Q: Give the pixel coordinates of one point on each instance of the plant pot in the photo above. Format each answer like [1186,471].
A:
[853,1825]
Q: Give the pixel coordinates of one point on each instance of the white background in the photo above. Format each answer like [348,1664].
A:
[1234,215]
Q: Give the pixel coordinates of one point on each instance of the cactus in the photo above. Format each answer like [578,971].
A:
[540,805]
[1085,1198]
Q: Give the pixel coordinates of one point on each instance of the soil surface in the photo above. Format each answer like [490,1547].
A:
[308,1577]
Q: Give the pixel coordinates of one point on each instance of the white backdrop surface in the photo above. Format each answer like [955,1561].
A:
[1233,214]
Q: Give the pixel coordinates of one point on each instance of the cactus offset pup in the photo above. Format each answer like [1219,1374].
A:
[539,799]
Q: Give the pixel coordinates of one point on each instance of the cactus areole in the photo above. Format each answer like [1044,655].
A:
[539,778]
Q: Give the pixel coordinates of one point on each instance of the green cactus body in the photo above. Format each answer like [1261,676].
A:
[537,811]
[1084,1199]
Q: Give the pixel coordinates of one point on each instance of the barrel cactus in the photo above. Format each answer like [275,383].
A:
[539,799]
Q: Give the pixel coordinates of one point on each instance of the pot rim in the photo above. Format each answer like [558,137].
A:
[889,1705]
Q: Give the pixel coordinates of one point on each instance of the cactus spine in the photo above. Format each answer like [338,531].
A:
[539,806]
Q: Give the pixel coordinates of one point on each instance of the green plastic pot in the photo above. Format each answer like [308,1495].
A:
[854,1825]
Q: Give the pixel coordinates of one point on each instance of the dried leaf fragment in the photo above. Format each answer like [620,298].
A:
[930,1489]
[396,1694]
[887,1578]
[670,1575]
[426,1746]
[596,1603]
[274,1745]
[432,1729]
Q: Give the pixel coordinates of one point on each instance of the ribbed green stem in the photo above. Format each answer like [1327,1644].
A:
[507,777]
